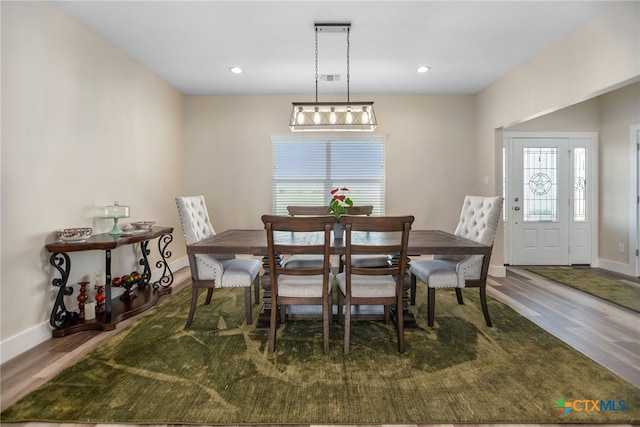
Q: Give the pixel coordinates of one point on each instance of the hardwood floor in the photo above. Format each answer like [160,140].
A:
[603,331]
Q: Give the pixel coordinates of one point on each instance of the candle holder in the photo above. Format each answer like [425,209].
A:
[100,297]
[82,298]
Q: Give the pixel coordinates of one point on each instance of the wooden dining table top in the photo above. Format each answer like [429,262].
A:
[254,242]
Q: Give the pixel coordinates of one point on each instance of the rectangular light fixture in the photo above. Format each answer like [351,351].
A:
[332,116]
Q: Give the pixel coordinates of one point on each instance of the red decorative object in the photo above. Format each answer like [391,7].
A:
[100,297]
[82,298]
[129,281]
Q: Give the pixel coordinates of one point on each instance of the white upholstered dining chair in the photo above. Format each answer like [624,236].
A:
[209,271]
[479,219]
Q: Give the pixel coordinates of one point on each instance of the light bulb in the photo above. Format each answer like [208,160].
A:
[332,116]
[316,117]
[365,116]
[349,117]
[300,116]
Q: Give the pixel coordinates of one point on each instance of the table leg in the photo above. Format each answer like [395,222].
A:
[107,288]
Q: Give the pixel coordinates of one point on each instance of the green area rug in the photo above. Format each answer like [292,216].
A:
[614,291]
[220,372]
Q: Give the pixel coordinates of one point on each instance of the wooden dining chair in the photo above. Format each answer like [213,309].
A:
[322,210]
[299,284]
[381,285]
[208,271]
[479,219]
[361,261]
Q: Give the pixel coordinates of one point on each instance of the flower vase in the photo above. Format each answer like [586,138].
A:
[338,231]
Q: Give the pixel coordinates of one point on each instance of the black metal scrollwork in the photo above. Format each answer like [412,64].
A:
[144,262]
[167,275]
[60,316]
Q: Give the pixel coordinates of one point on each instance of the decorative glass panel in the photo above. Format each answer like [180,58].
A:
[540,184]
[580,184]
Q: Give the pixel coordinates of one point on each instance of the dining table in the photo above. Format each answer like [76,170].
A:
[253,242]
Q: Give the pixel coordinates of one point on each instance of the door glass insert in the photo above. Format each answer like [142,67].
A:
[540,193]
[579,184]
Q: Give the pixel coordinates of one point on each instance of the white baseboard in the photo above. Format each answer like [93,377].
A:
[616,267]
[497,270]
[26,340]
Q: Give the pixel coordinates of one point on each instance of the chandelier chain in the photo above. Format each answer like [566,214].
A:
[336,115]
[348,69]
[316,64]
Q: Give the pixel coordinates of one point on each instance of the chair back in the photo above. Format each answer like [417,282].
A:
[298,235]
[479,219]
[322,210]
[194,219]
[391,238]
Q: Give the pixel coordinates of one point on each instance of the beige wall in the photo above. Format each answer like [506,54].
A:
[428,138]
[618,111]
[83,125]
[601,55]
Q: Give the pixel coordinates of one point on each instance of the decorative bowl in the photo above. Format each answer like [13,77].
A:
[75,234]
[143,225]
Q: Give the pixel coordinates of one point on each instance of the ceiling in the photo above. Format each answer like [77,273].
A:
[468,44]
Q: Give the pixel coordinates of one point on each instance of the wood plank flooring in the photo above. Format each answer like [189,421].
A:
[603,331]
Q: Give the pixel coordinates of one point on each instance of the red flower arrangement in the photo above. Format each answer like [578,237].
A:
[340,202]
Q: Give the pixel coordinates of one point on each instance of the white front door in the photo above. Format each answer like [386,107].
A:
[549,218]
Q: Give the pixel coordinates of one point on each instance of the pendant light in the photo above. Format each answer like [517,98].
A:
[332,116]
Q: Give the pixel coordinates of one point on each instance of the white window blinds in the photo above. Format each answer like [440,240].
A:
[305,171]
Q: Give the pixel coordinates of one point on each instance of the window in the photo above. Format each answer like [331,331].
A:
[580,184]
[540,184]
[305,171]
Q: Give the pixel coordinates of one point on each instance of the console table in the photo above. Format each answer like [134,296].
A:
[66,322]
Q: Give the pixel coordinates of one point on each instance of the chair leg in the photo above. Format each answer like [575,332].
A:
[414,281]
[347,325]
[400,325]
[283,313]
[326,317]
[256,289]
[194,302]
[387,314]
[273,324]
[331,297]
[431,305]
[339,304]
[483,303]
[247,304]
[459,295]
[209,295]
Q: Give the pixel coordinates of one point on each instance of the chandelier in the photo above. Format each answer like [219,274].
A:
[332,116]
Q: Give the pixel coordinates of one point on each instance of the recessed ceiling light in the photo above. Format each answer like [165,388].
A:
[235,70]
[423,69]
